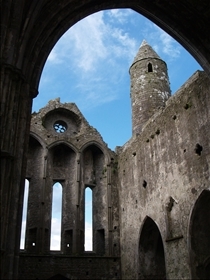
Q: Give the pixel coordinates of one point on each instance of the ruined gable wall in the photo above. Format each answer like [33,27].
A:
[163,162]
[76,157]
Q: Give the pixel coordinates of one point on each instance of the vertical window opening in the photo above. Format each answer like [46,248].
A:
[55,236]
[24,215]
[150,67]
[88,219]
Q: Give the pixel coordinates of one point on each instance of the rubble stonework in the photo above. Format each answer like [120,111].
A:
[151,197]
[64,148]
[150,87]
[30,29]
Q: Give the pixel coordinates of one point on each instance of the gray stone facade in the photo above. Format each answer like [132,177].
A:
[150,87]
[64,148]
[151,197]
[29,30]
[162,173]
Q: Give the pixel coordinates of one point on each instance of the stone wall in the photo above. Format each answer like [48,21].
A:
[65,149]
[162,172]
[154,192]
[90,267]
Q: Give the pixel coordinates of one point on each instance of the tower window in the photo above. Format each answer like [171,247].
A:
[150,67]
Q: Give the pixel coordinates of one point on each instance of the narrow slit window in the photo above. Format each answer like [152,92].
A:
[150,67]
[88,219]
[24,215]
[55,236]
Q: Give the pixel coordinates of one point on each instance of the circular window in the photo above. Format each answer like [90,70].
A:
[60,126]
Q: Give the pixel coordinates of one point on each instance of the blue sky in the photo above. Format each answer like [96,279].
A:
[89,65]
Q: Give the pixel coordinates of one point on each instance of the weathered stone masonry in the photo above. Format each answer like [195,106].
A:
[29,30]
[151,197]
[149,86]
[64,148]
[162,172]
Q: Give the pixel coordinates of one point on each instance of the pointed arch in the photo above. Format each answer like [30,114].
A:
[94,176]
[179,29]
[35,145]
[93,160]
[37,137]
[64,143]
[150,68]
[62,155]
[200,238]
[151,252]
[97,145]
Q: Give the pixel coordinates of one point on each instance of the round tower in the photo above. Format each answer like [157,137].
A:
[149,86]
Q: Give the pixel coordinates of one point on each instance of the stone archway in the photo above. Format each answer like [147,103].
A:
[151,252]
[27,43]
[29,31]
[200,237]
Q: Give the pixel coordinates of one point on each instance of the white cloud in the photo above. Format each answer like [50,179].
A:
[56,217]
[55,241]
[169,45]
[120,15]
[99,99]
[124,46]
[83,44]
[90,42]
[162,43]
[88,237]
[93,50]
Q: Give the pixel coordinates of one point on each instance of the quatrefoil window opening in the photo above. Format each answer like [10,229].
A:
[60,126]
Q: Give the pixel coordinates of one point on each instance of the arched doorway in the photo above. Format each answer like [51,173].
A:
[200,237]
[151,252]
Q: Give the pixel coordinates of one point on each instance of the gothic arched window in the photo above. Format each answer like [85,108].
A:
[55,239]
[88,219]
[150,67]
[24,215]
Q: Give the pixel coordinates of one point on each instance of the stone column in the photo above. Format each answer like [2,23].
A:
[16,103]
[109,204]
[76,235]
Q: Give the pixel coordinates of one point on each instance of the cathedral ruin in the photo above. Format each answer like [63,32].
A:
[151,197]
[142,198]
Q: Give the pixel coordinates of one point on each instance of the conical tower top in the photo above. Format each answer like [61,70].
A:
[150,87]
[145,51]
